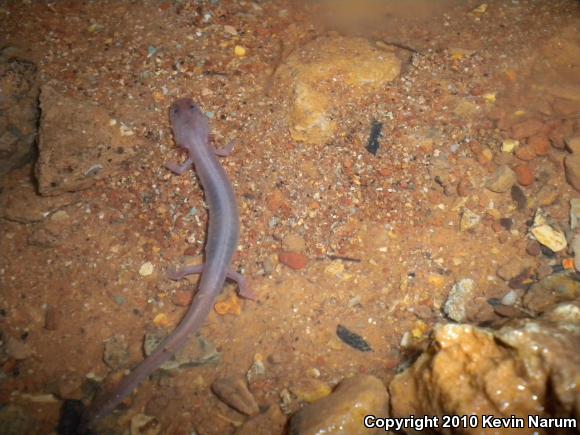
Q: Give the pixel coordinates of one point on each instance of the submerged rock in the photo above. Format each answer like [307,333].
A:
[78,144]
[351,66]
[342,412]
[18,110]
[527,367]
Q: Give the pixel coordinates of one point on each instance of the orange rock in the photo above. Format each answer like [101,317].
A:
[540,143]
[276,201]
[182,298]
[293,260]
[526,153]
[229,305]
[524,175]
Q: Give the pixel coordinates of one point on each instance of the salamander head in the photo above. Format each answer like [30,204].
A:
[187,120]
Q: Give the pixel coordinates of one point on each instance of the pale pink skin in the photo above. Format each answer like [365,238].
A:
[191,130]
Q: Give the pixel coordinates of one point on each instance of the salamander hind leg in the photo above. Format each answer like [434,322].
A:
[176,273]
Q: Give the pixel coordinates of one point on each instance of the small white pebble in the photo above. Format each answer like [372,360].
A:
[146,269]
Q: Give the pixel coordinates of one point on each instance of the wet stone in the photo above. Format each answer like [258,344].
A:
[235,393]
[340,412]
[116,354]
[196,352]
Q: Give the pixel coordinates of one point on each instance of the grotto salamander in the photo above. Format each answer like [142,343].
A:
[192,132]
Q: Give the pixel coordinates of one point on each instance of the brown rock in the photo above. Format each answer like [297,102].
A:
[182,298]
[572,169]
[271,422]
[503,179]
[524,174]
[533,248]
[540,143]
[464,187]
[341,412]
[293,260]
[561,130]
[235,393]
[526,153]
[526,128]
[514,267]
[18,110]
[293,243]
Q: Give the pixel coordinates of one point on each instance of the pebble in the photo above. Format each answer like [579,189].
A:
[257,370]
[293,260]
[526,128]
[510,298]
[533,248]
[235,393]
[526,153]
[182,298]
[519,197]
[509,145]
[230,30]
[161,321]
[240,51]
[197,352]
[146,269]
[464,187]
[469,220]
[550,237]
[116,354]
[229,305]
[547,195]
[524,175]
[513,268]
[293,243]
[310,390]
[340,413]
[503,179]
[540,144]
[142,424]
[461,293]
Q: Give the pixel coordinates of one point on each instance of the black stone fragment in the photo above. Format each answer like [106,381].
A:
[373,142]
[352,339]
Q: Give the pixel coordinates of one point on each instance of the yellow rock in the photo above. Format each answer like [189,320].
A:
[337,70]
[550,237]
[309,119]
[509,145]
[436,280]
[239,51]
[161,321]
[310,390]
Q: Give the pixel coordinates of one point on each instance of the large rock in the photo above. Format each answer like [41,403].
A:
[18,110]
[343,411]
[527,367]
[329,72]
[78,144]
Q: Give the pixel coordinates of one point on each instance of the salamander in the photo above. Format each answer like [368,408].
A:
[192,132]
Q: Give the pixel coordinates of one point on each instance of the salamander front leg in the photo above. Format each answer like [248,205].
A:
[244,290]
[179,169]
[227,150]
